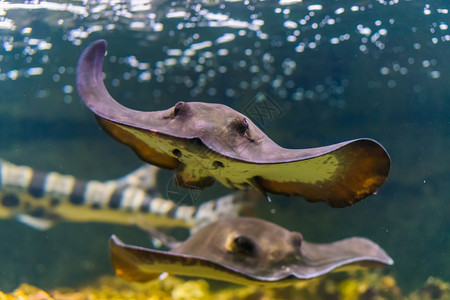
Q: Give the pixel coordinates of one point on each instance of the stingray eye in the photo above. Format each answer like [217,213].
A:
[178,107]
[296,239]
[242,126]
[243,245]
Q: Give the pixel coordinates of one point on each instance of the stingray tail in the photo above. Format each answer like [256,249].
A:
[158,237]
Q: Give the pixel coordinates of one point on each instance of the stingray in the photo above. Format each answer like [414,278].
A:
[205,142]
[246,251]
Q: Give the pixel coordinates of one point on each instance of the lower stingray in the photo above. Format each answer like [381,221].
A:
[246,251]
[204,142]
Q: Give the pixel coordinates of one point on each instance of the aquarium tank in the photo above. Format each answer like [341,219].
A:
[307,73]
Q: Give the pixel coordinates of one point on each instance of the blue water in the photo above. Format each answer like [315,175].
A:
[335,71]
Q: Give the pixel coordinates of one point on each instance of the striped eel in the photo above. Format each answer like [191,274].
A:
[39,199]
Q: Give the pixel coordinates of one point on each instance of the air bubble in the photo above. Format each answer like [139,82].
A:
[435,74]
[391,83]
[67,89]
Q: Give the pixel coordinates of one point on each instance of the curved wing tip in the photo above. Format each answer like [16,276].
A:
[100,44]
[101,41]
[389,261]
[113,239]
[94,49]
[375,142]
[89,69]
[382,258]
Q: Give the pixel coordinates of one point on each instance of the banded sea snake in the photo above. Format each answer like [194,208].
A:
[38,199]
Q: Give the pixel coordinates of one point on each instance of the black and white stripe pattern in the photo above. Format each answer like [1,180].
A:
[24,191]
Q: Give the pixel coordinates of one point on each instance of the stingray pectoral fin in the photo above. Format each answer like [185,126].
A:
[339,175]
[116,118]
[319,259]
[140,264]
[127,263]
[155,148]
[150,146]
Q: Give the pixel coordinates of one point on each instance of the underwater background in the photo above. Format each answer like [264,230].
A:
[331,71]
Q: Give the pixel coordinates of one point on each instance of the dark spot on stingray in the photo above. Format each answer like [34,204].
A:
[296,239]
[243,245]
[176,153]
[242,126]
[217,164]
[10,200]
[239,125]
[179,108]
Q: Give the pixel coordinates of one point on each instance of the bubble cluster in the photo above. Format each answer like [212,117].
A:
[232,49]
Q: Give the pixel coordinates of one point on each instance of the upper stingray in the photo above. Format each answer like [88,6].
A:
[205,141]
[245,251]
